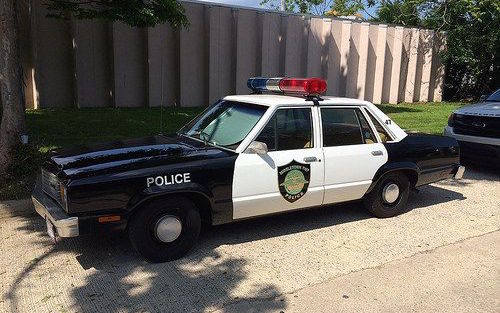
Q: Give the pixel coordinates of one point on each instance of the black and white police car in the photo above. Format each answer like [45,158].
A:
[244,156]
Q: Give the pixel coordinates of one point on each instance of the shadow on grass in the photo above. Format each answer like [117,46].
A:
[388,109]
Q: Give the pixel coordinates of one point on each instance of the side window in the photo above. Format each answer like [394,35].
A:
[384,136]
[367,132]
[344,126]
[288,129]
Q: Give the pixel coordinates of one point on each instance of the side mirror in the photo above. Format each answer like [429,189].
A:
[482,98]
[257,147]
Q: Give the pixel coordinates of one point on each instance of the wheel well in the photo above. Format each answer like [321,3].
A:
[200,201]
[412,176]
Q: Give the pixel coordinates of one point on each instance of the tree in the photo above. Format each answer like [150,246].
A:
[132,12]
[12,124]
[300,6]
[473,39]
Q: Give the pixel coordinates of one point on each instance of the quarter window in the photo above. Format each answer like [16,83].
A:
[345,126]
[383,134]
[288,129]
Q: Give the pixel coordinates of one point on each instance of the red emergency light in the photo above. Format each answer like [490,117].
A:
[304,86]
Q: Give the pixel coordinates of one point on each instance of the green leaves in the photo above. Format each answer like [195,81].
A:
[473,39]
[140,13]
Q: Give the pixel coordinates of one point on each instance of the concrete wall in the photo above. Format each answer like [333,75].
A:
[81,63]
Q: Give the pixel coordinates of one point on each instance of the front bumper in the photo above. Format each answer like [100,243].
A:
[46,207]
[448,131]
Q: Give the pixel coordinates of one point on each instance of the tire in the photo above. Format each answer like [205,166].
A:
[144,223]
[378,206]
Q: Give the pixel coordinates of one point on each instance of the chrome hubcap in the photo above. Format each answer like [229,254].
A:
[390,193]
[168,228]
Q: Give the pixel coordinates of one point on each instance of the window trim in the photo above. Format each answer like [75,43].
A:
[271,115]
[360,108]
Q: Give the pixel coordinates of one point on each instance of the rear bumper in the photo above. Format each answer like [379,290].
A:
[65,225]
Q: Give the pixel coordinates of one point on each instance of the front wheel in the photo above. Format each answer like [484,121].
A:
[390,196]
[165,230]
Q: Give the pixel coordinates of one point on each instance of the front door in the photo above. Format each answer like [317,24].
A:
[353,154]
[290,175]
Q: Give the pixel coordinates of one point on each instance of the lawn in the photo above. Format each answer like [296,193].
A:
[50,129]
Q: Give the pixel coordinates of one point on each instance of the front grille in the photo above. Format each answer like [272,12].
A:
[51,186]
[476,125]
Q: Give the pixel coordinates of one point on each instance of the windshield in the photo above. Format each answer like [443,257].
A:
[225,123]
[495,97]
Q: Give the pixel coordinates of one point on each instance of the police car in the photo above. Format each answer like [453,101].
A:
[283,147]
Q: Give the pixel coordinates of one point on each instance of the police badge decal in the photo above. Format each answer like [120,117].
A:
[293,180]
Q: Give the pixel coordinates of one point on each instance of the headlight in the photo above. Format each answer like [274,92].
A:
[451,119]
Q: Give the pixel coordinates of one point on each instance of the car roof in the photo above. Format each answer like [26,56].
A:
[281,100]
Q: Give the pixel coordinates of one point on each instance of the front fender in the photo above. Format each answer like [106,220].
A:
[151,193]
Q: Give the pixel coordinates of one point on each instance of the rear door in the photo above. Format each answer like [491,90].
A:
[290,175]
[352,153]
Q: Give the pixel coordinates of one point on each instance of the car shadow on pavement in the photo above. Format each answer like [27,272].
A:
[117,279]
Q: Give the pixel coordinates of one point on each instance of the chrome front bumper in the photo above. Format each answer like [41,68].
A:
[65,225]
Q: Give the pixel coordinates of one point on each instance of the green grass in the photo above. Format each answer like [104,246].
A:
[50,129]
[421,117]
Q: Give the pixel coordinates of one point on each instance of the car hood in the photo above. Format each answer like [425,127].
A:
[481,108]
[123,155]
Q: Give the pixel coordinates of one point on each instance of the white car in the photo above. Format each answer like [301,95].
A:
[477,129]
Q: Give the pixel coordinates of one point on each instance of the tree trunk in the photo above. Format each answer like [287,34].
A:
[13,123]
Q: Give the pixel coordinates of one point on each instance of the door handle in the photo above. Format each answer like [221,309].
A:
[377,152]
[310,159]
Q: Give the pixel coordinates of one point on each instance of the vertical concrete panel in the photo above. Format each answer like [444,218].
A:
[412,65]
[246,49]
[220,53]
[315,47]
[193,58]
[379,80]
[362,49]
[353,62]
[426,38]
[371,62]
[405,59]
[326,36]
[54,70]
[438,67]
[396,51]
[129,65]
[295,45]
[334,58]
[345,51]
[163,72]
[92,64]
[270,60]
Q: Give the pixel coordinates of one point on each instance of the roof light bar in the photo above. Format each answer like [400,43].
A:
[305,86]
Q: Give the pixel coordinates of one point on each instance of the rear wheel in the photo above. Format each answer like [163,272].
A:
[390,196]
[165,230]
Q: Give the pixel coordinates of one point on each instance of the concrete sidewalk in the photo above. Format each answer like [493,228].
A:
[460,277]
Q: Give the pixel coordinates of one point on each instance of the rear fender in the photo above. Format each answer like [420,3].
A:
[410,168]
